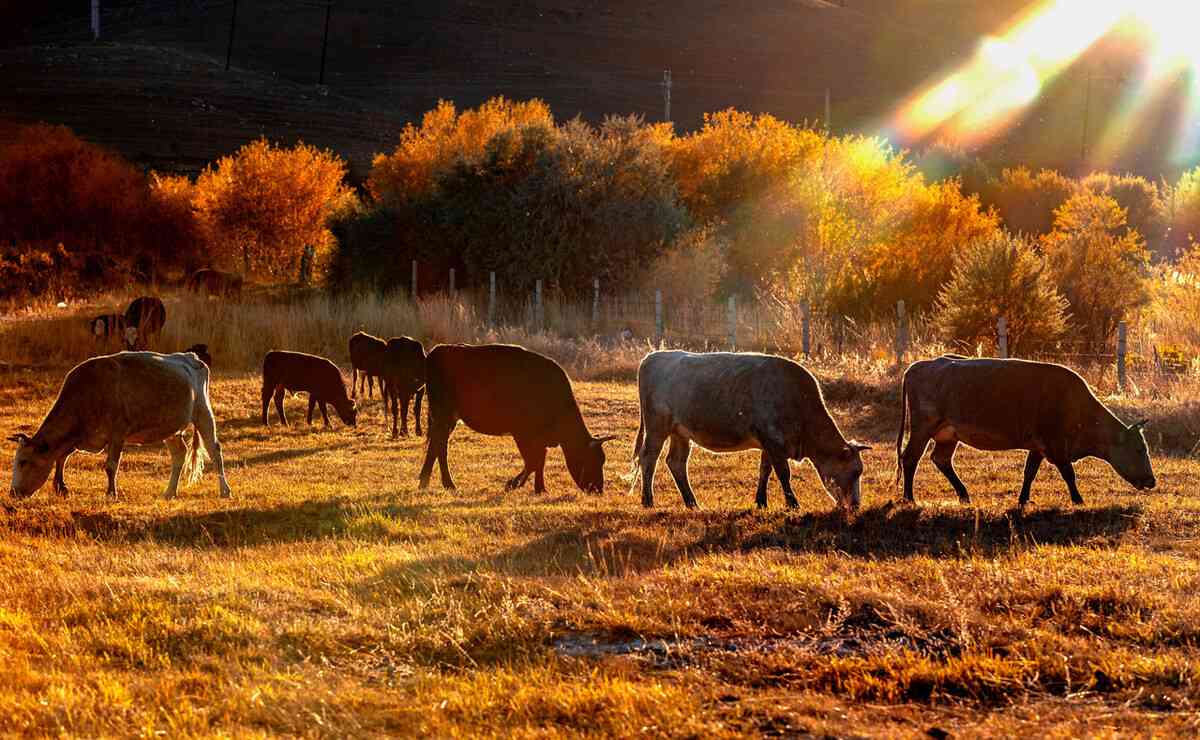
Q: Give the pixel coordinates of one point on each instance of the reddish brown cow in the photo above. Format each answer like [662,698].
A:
[144,320]
[502,389]
[296,372]
[216,283]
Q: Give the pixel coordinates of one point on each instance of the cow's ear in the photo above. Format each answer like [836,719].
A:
[20,438]
[1139,425]
[859,446]
[597,441]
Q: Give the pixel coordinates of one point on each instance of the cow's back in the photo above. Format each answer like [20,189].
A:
[500,389]
[1015,397]
[145,394]
[726,397]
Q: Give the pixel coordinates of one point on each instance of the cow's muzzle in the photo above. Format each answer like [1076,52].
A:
[1148,484]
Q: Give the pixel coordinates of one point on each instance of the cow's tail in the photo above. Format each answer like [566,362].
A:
[903,423]
[193,460]
[635,468]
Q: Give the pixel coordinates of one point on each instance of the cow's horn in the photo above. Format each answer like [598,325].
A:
[856,445]
[602,440]
[1139,424]
[19,438]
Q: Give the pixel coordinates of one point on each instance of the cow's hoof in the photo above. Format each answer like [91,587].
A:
[62,491]
[227,493]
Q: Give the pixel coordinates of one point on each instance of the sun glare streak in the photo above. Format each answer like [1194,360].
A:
[1008,72]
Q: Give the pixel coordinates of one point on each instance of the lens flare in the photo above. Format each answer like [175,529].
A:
[1009,71]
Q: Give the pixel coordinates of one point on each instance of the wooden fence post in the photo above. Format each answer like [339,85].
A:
[839,330]
[538,317]
[1121,349]
[901,332]
[451,282]
[658,317]
[492,300]
[733,323]
[596,304]
[805,328]
[414,281]
[1002,336]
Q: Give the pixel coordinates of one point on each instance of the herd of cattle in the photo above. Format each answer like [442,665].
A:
[722,401]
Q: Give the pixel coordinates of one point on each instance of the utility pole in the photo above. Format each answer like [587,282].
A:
[232,26]
[1087,110]
[666,85]
[325,41]
[828,123]
[95,20]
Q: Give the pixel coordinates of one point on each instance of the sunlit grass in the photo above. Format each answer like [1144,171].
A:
[330,597]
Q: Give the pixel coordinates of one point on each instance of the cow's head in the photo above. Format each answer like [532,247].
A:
[99,327]
[31,466]
[841,473]
[131,337]
[348,412]
[586,464]
[1130,457]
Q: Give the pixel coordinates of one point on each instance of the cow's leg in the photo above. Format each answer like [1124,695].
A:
[677,460]
[1032,463]
[764,476]
[312,403]
[279,405]
[1068,475]
[207,427]
[266,404]
[60,484]
[534,457]
[354,383]
[324,413]
[115,447]
[417,410]
[651,448]
[178,449]
[370,386]
[436,448]
[404,399]
[943,458]
[911,458]
[783,471]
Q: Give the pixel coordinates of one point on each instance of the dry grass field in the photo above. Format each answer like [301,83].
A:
[332,598]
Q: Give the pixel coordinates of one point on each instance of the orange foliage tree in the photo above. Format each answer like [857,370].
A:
[1098,263]
[445,137]
[1025,200]
[56,189]
[264,204]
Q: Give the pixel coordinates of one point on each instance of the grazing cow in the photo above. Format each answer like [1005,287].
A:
[501,389]
[366,360]
[728,402]
[104,328]
[296,372]
[216,283]
[130,397]
[144,320]
[993,404]
[201,351]
[403,376]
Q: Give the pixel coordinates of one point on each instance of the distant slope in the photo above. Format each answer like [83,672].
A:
[157,89]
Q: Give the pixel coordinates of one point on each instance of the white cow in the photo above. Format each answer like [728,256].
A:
[728,402]
[129,397]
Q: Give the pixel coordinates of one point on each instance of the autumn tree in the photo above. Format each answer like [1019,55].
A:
[998,276]
[1098,263]
[264,204]
[1026,201]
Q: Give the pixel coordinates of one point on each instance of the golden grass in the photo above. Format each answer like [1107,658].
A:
[332,598]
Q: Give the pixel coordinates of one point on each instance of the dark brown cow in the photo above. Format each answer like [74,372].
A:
[993,404]
[296,372]
[216,283]
[367,354]
[501,389]
[201,351]
[403,376]
[144,320]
